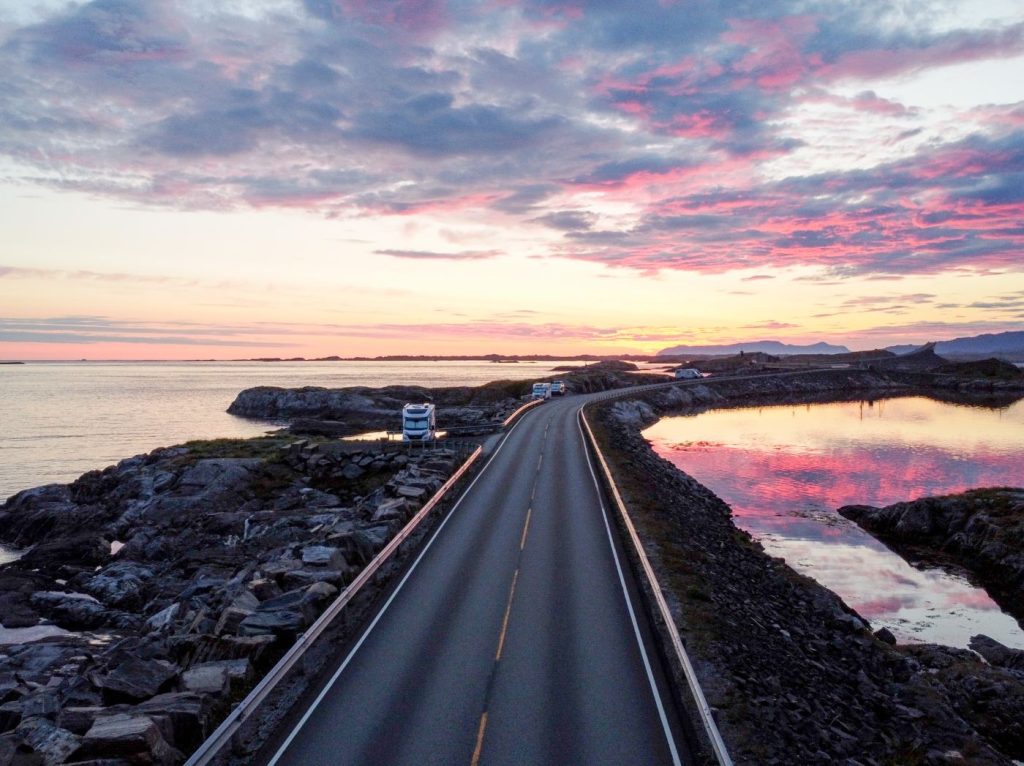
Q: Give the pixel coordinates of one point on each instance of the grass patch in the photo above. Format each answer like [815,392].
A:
[258,447]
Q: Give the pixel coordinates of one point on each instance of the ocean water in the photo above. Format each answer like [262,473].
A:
[61,419]
[785,470]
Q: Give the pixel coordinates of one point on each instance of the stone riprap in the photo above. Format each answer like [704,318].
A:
[175,579]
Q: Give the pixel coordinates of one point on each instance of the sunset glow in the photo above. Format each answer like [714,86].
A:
[283,178]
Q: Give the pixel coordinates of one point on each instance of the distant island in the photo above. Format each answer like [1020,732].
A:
[12,363]
[773,347]
[495,358]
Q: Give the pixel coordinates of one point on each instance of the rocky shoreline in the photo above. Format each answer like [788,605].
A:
[981,531]
[166,585]
[795,675]
[154,594]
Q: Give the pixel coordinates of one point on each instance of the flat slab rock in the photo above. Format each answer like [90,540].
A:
[53,743]
[136,680]
[126,735]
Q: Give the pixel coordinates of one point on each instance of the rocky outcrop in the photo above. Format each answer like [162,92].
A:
[165,586]
[981,531]
[361,408]
[346,411]
[987,695]
[794,675]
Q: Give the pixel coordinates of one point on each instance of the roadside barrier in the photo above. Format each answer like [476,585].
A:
[220,741]
[512,418]
[703,709]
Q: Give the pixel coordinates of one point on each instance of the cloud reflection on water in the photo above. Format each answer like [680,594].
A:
[784,470]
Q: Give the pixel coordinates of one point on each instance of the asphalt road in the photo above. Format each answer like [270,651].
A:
[515,638]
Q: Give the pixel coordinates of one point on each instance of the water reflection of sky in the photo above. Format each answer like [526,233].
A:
[784,470]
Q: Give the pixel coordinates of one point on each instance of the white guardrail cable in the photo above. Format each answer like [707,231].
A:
[701,703]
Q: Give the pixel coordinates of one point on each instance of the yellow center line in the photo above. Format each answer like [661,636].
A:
[479,740]
[508,611]
[526,527]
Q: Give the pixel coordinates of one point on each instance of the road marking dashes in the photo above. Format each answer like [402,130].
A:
[479,740]
[508,611]
[526,527]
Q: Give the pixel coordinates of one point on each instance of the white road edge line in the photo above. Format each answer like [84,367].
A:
[629,603]
[330,684]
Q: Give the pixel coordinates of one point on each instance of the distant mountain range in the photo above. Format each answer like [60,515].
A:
[1003,344]
[773,347]
[1008,345]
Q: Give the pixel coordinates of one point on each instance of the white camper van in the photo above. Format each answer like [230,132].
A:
[557,388]
[419,423]
[541,391]
[688,373]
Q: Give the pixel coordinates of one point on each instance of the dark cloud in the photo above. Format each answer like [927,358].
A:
[431,124]
[525,198]
[620,170]
[568,220]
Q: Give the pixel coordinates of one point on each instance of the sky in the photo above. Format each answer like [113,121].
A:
[183,180]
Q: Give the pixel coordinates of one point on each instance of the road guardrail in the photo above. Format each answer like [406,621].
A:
[221,739]
[512,418]
[707,720]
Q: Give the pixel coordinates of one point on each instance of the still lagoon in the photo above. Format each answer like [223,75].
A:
[785,470]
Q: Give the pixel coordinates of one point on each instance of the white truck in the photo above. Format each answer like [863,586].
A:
[541,391]
[419,422]
[557,388]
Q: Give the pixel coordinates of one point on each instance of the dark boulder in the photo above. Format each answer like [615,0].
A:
[135,680]
[121,585]
[134,737]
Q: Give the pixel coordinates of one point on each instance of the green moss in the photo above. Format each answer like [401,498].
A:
[260,447]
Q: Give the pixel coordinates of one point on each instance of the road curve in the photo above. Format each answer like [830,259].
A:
[516,637]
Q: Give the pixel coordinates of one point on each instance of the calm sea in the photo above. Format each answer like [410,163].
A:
[784,471]
[61,419]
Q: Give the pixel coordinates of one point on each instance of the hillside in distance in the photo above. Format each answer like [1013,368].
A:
[773,347]
[1007,345]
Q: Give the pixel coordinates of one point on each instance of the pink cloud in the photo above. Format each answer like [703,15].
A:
[954,48]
